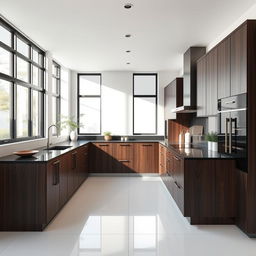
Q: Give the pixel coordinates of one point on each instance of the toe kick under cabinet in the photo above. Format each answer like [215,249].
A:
[203,189]
[32,193]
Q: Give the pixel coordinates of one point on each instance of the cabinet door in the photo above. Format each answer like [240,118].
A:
[170,100]
[101,159]
[74,169]
[123,157]
[239,61]
[211,82]
[146,157]
[83,163]
[199,188]
[53,188]
[224,68]
[63,173]
[201,87]
[178,171]
[162,159]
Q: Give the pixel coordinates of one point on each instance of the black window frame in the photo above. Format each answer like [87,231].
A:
[14,82]
[57,95]
[145,96]
[88,96]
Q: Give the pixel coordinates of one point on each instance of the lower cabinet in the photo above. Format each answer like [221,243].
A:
[64,175]
[162,159]
[203,189]
[124,157]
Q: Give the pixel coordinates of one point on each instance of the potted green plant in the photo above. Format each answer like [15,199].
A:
[107,136]
[72,126]
[214,141]
[208,138]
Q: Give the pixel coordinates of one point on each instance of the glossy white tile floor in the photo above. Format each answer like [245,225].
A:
[121,216]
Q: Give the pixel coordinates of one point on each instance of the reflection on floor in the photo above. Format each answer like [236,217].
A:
[121,216]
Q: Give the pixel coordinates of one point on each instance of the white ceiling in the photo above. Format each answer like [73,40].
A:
[88,35]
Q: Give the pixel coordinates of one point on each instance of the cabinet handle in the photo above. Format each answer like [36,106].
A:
[56,173]
[74,160]
[103,145]
[175,182]
[125,145]
[147,145]
[123,161]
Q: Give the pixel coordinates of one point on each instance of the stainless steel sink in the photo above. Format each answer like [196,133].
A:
[58,148]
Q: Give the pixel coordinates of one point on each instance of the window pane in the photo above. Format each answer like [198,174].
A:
[89,85]
[22,111]
[5,62]
[54,85]
[36,116]
[22,47]
[144,115]
[90,115]
[22,69]
[145,85]
[35,56]
[4,109]
[35,76]
[5,36]
[64,97]
[54,110]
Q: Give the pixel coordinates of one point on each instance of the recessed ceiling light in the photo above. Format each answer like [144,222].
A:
[128,63]
[128,35]
[128,51]
[128,6]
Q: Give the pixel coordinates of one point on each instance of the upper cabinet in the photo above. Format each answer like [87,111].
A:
[239,61]
[211,82]
[224,67]
[173,97]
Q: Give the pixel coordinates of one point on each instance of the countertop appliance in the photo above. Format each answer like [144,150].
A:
[233,128]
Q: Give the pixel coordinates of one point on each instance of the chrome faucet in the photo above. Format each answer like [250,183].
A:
[48,139]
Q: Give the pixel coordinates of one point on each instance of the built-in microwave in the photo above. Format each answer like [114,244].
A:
[233,128]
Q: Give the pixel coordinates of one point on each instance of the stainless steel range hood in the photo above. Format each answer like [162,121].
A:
[189,80]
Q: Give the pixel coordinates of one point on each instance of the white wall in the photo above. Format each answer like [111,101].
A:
[117,100]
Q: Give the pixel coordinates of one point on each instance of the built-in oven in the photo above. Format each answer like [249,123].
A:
[233,128]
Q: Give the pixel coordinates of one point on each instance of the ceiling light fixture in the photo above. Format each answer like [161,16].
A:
[128,6]
[128,63]
[128,35]
[128,51]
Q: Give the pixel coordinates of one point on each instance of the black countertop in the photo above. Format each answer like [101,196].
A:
[46,155]
[196,151]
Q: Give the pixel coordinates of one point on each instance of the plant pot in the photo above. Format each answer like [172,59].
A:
[215,146]
[107,137]
[73,136]
[209,145]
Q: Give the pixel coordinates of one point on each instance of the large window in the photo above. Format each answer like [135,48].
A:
[21,86]
[89,103]
[56,94]
[144,104]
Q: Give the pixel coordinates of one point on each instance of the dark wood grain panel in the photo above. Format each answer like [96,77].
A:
[239,60]
[224,69]
[146,157]
[211,82]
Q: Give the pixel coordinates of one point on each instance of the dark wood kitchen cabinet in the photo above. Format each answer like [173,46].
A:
[211,82]
[224,68]
[173,97]
[239,60]
[201,87]
[102,157]
[53,188]
[146,158]
[31,194]
[123,154]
